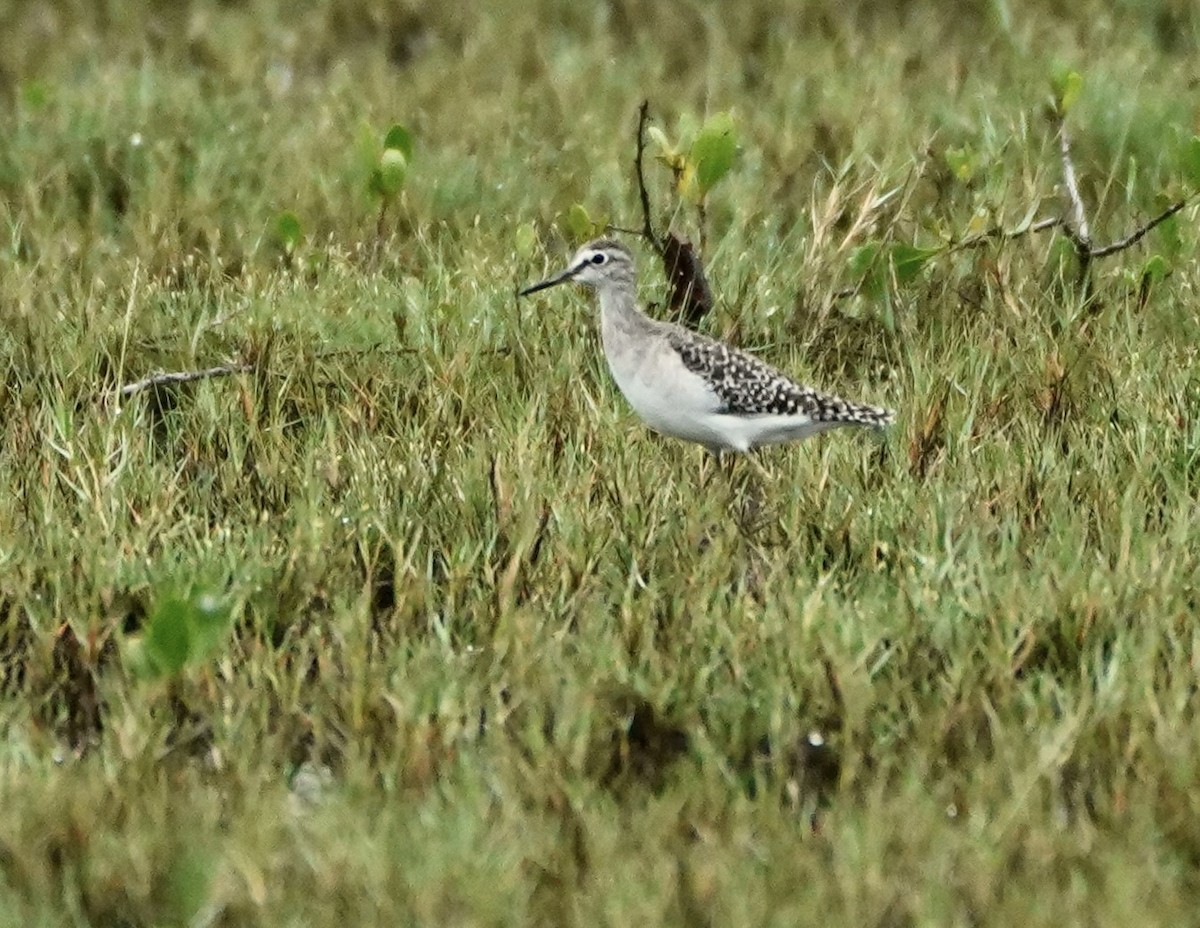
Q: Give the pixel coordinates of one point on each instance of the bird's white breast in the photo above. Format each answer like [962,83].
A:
[662,391]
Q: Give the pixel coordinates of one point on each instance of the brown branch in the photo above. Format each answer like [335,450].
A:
[690,295]
[1140,233]
[614,228]
[379,348]
[1077,229]
[647,228]
[1075,224]
[172,377]
[1051,222]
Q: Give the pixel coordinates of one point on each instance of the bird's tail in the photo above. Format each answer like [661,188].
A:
[864,414]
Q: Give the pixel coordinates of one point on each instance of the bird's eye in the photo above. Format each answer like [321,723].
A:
[599,258]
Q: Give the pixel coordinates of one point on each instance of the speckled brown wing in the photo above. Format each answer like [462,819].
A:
[747,386]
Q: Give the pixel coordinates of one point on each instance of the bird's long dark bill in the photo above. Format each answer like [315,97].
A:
[548,282]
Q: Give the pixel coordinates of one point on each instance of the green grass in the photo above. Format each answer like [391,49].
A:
[498,654]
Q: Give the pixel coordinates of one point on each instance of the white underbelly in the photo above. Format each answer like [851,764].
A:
[673,401]
[669,398]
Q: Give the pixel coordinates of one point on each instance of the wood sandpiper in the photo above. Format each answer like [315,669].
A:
[688,386]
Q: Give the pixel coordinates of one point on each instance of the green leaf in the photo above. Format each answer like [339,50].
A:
[391,174]
[399,139]
[1155,269]
[211,619]
[907,260]
[578,222]
[713,152]
[181,630]
[188,884]
[387,167]
[1071,90]
[864,266]
[287,231]
[525,239]
[1067,85]
[168,640]
[862,259]
[1169,238]
[961,162]
[1190,160]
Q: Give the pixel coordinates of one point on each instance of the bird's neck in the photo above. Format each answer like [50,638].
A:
[619,314]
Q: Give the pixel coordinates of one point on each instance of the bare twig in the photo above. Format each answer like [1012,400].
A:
[1139,233]
[172,377]
[1074,223]
[1040,226]
[690,294]
[1001,234]
[379,348]
[128,318]
[647,228]
[624,231]
[1077,227]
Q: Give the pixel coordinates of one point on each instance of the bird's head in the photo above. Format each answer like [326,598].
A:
[599,263]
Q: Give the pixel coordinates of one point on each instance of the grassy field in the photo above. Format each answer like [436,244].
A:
[496,654]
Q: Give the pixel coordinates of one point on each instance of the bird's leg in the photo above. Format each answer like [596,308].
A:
[759,470]
[746,506]
[730,461]
[751,495]
[745,487]
[710,463]
[704,474]
[721,462]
